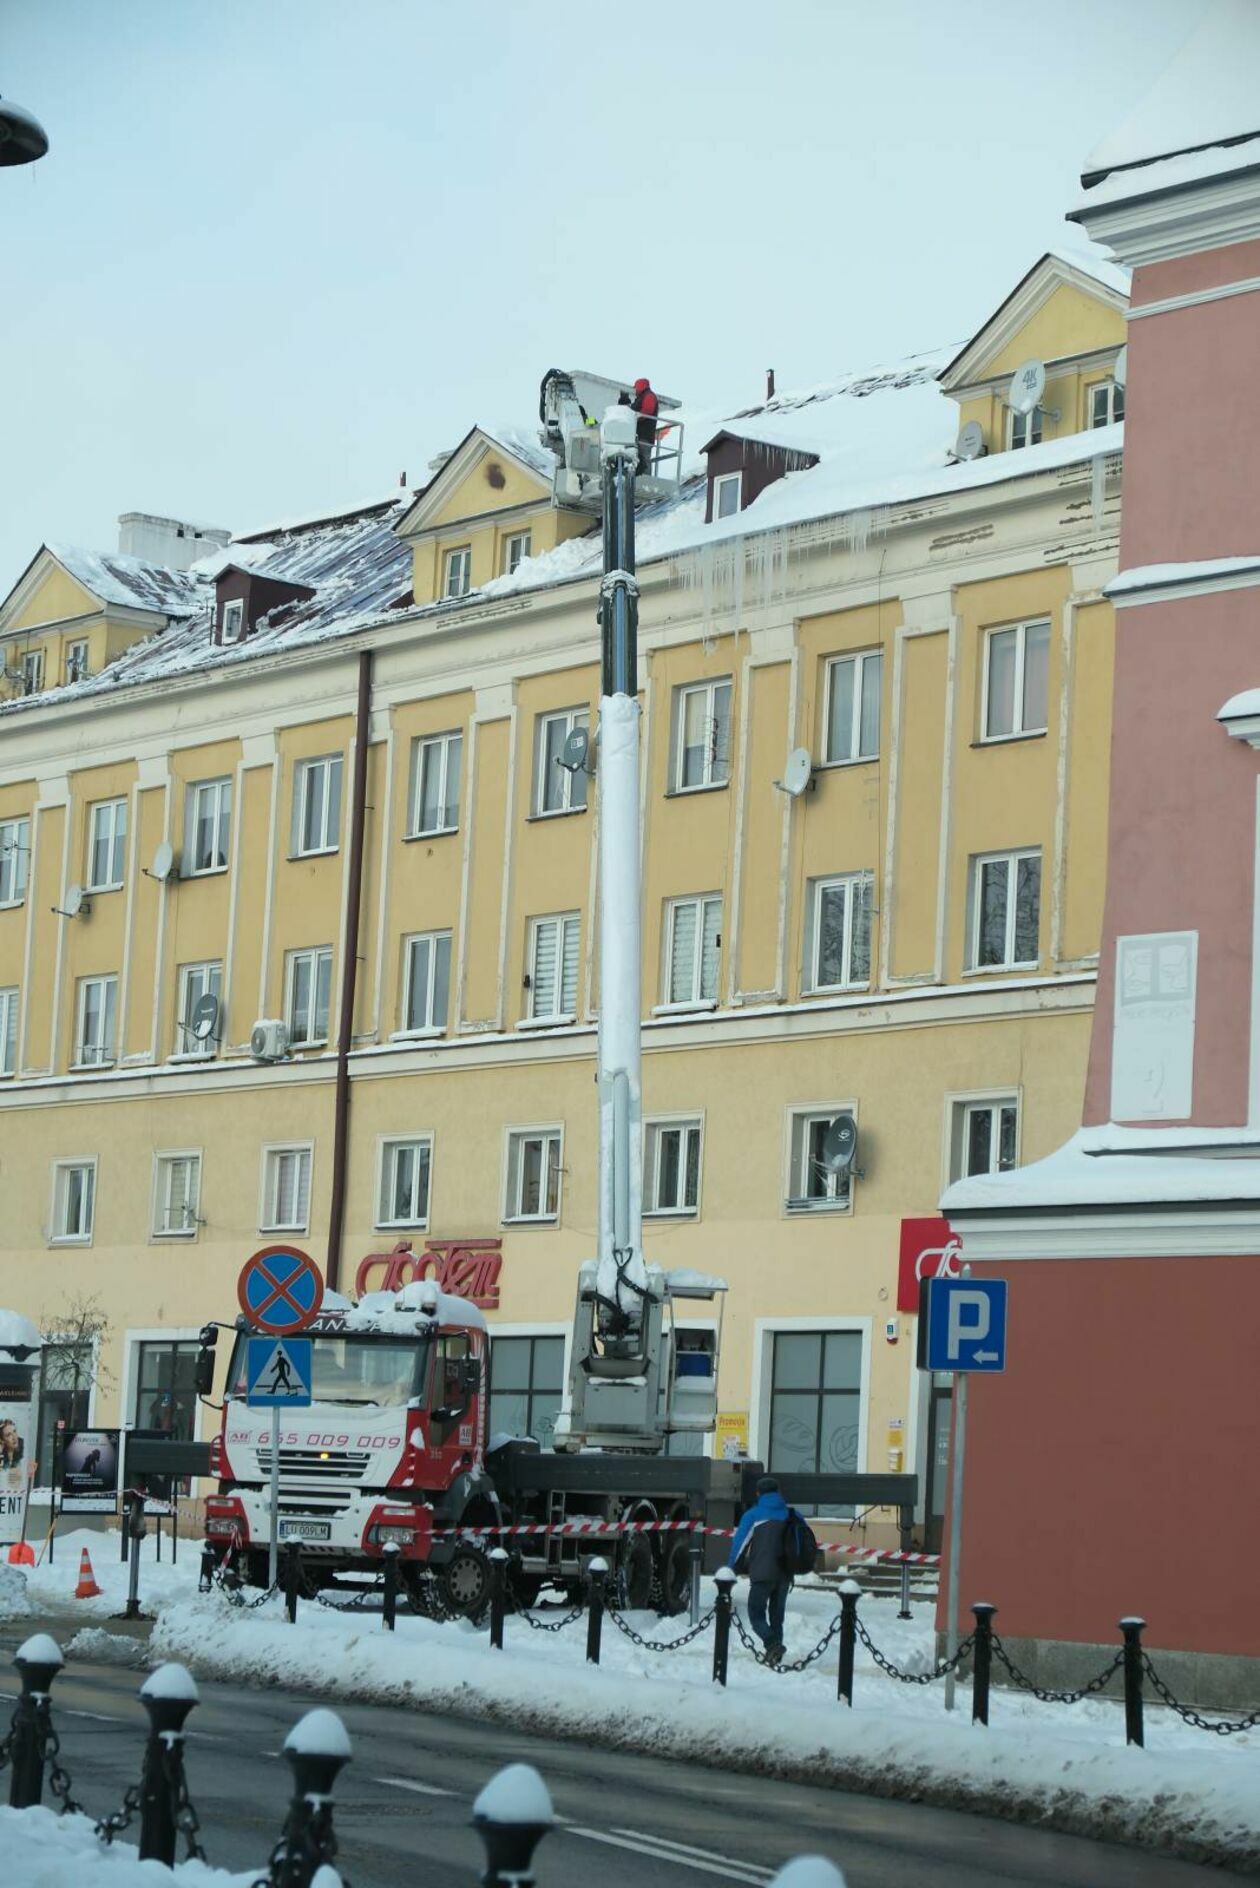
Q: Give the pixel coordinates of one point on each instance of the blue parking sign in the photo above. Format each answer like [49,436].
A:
[966,1324]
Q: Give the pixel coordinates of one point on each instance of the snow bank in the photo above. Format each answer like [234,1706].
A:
[44,1850]
[14,1600]
[49,1587]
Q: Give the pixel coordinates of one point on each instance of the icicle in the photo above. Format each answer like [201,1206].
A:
[1097,488]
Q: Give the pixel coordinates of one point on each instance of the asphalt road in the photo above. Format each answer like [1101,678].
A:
[403,1805]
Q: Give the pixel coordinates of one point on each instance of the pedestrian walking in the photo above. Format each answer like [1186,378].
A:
[757,1550]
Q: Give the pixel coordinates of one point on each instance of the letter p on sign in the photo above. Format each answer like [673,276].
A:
[966,1324]
[968,1320]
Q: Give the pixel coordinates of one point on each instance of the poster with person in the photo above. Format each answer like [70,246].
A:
[17,1430]
[89,1472]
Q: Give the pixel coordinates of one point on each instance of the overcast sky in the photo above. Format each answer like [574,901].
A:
[284,250]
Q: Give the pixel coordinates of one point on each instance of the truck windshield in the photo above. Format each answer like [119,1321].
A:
[352,1370]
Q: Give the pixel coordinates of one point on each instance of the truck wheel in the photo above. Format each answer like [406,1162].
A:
[672,1593]
[635,1572]
[465,1582]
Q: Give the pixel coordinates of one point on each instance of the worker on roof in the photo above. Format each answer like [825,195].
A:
[647,406]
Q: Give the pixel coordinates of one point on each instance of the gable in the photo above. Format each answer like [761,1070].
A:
[1069,322]
[1057,310]
[481,476]
[45,593]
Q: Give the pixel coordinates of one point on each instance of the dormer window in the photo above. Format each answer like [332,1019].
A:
[233,620]
[1025,429]
[457,574]
[76,661]
[727,490]
[1106,403]
[32,671]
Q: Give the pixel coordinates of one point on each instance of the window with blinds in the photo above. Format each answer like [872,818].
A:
[693,940]
[286,1201]
[8,1031]
[553,968]
[176,1196]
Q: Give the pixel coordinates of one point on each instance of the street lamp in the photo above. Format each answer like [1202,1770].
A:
[22,137]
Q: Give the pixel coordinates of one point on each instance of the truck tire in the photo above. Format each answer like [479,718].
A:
[636,1573]
[673,1580]
[465,1582]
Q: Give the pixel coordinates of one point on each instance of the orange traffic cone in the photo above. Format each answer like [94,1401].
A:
[87,1588]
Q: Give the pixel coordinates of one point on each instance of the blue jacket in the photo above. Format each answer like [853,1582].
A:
[757,1548]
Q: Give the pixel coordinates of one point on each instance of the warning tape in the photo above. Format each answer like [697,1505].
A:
[610,1530]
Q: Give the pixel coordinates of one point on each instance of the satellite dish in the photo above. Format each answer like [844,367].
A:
[577,747]
[1028,384]
[839,1148]
[798,772]
[1120,372]
[77,904]
[970,442]
[163,866]
[205,1017]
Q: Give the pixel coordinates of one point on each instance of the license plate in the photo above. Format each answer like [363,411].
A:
[306,1530]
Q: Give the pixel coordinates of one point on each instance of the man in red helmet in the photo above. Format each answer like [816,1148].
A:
[647,406]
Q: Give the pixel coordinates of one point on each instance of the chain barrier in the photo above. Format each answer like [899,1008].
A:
[1224,1727]
[49,1752]
[237,1598]
[659,1645]
[941,1669]
[298,1857]
[1041,1692]
[796,1665]
[187,1820]
[6,1747]
[552,1625]
[113,1825]
[354,1605]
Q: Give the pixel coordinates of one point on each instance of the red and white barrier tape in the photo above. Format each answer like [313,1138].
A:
[610,1530]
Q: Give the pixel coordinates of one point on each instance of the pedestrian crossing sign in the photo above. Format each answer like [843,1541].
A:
[278,1373]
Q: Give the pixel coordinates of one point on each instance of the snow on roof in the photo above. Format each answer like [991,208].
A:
[1207,94]
[1090,260]
[1169,173]
[343,513]
[132,581]
[523,445]
[1116,1166]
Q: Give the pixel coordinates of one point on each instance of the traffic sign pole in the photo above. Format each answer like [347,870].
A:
[957,1459]
[273,1556]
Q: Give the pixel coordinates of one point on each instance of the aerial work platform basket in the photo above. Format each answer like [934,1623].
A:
[571,405]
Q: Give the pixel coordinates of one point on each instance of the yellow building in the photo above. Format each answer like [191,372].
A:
[324,792]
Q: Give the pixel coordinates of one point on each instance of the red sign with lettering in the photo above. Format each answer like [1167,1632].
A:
[466,1268]
[929,1249]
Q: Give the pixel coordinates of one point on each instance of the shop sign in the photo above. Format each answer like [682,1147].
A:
[929,1249]
[466,1268]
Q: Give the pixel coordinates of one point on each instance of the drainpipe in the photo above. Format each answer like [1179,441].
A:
[349,975]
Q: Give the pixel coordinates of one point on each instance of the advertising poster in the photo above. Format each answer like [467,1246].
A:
[730,1441]
[17,1434]
[89,1472]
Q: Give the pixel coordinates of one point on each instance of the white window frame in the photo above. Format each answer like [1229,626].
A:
[315,956]
[111,814]
[219,794]
[443,746]
[697,1000]
[330,767]
[853,882]
[15,854]
[570,783]
[433,939]
[268,1218]
[1110,390]
[1017,731]
[723,483]
[108,985]
[1031,424]
[959,1107]
[1009,961]
[9,1005]
[861,660]
[165,1160]
[232,622]
[653,1127]
[32,671]
[387,1148]
[516,548]
[712,762]
[797,1203]
[76,659]
[186,1044]
[514,1140]
[457,572]
[71,1163]
[565,921]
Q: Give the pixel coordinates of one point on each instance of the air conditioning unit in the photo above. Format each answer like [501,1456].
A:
[269,1040]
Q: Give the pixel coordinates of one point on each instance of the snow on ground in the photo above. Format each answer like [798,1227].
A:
[1066,1764]
[42,1849]
[49,1587]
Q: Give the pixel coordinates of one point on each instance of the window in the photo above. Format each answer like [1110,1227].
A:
[984,1137]
[553,968]
[435,764]
[1025,429]
[107,840]
[1016,680]
[812,1187]
[76,661]
[308,980]
[457,572]
[533,1174]
[515,547]
[233,620]
[74,1201]
[176,1195]
[207,822]
[8,1031]
[852,707]
[838,918]
[94,1025]
[815,1402]
[727,492]
[166,1389]
[15,853]
[66,1372]
[526,1387]
[404,1195]
[426,980]
[317,805]
[286,1200]
[693,938]
[558,789]
[32,671]
[195,982]
[1106,403]
[1005,909]
[671,1166]
[702,742]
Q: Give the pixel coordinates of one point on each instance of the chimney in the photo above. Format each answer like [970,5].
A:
[769,383]
[167,541]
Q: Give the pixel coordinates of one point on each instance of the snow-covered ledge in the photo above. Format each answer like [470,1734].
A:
[1240,717]
[1163,583]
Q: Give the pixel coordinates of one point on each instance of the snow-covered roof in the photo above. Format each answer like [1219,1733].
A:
[1207,95]
[132,581]
[1118,1166]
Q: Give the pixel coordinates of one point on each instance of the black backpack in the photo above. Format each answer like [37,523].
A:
[800,1544]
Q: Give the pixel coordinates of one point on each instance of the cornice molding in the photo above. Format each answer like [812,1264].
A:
[1160,225]
[1128,1232]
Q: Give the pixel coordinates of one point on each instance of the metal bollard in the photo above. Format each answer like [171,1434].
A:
[1134,1727]
[38,1661]
[168,1695]
[292,1579]
[390,1604]
[596,1576]
[498,1558]
[317,1748]
[135,1532]
[724,1579]
[512,1815]
[205,1579]
[982,1661]
[695,1554]
[850,1594]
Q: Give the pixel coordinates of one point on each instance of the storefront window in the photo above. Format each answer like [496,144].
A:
[815,1404]
[526,1386]
[165,1397]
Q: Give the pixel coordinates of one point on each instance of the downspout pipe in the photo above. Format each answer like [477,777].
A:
[349,975]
